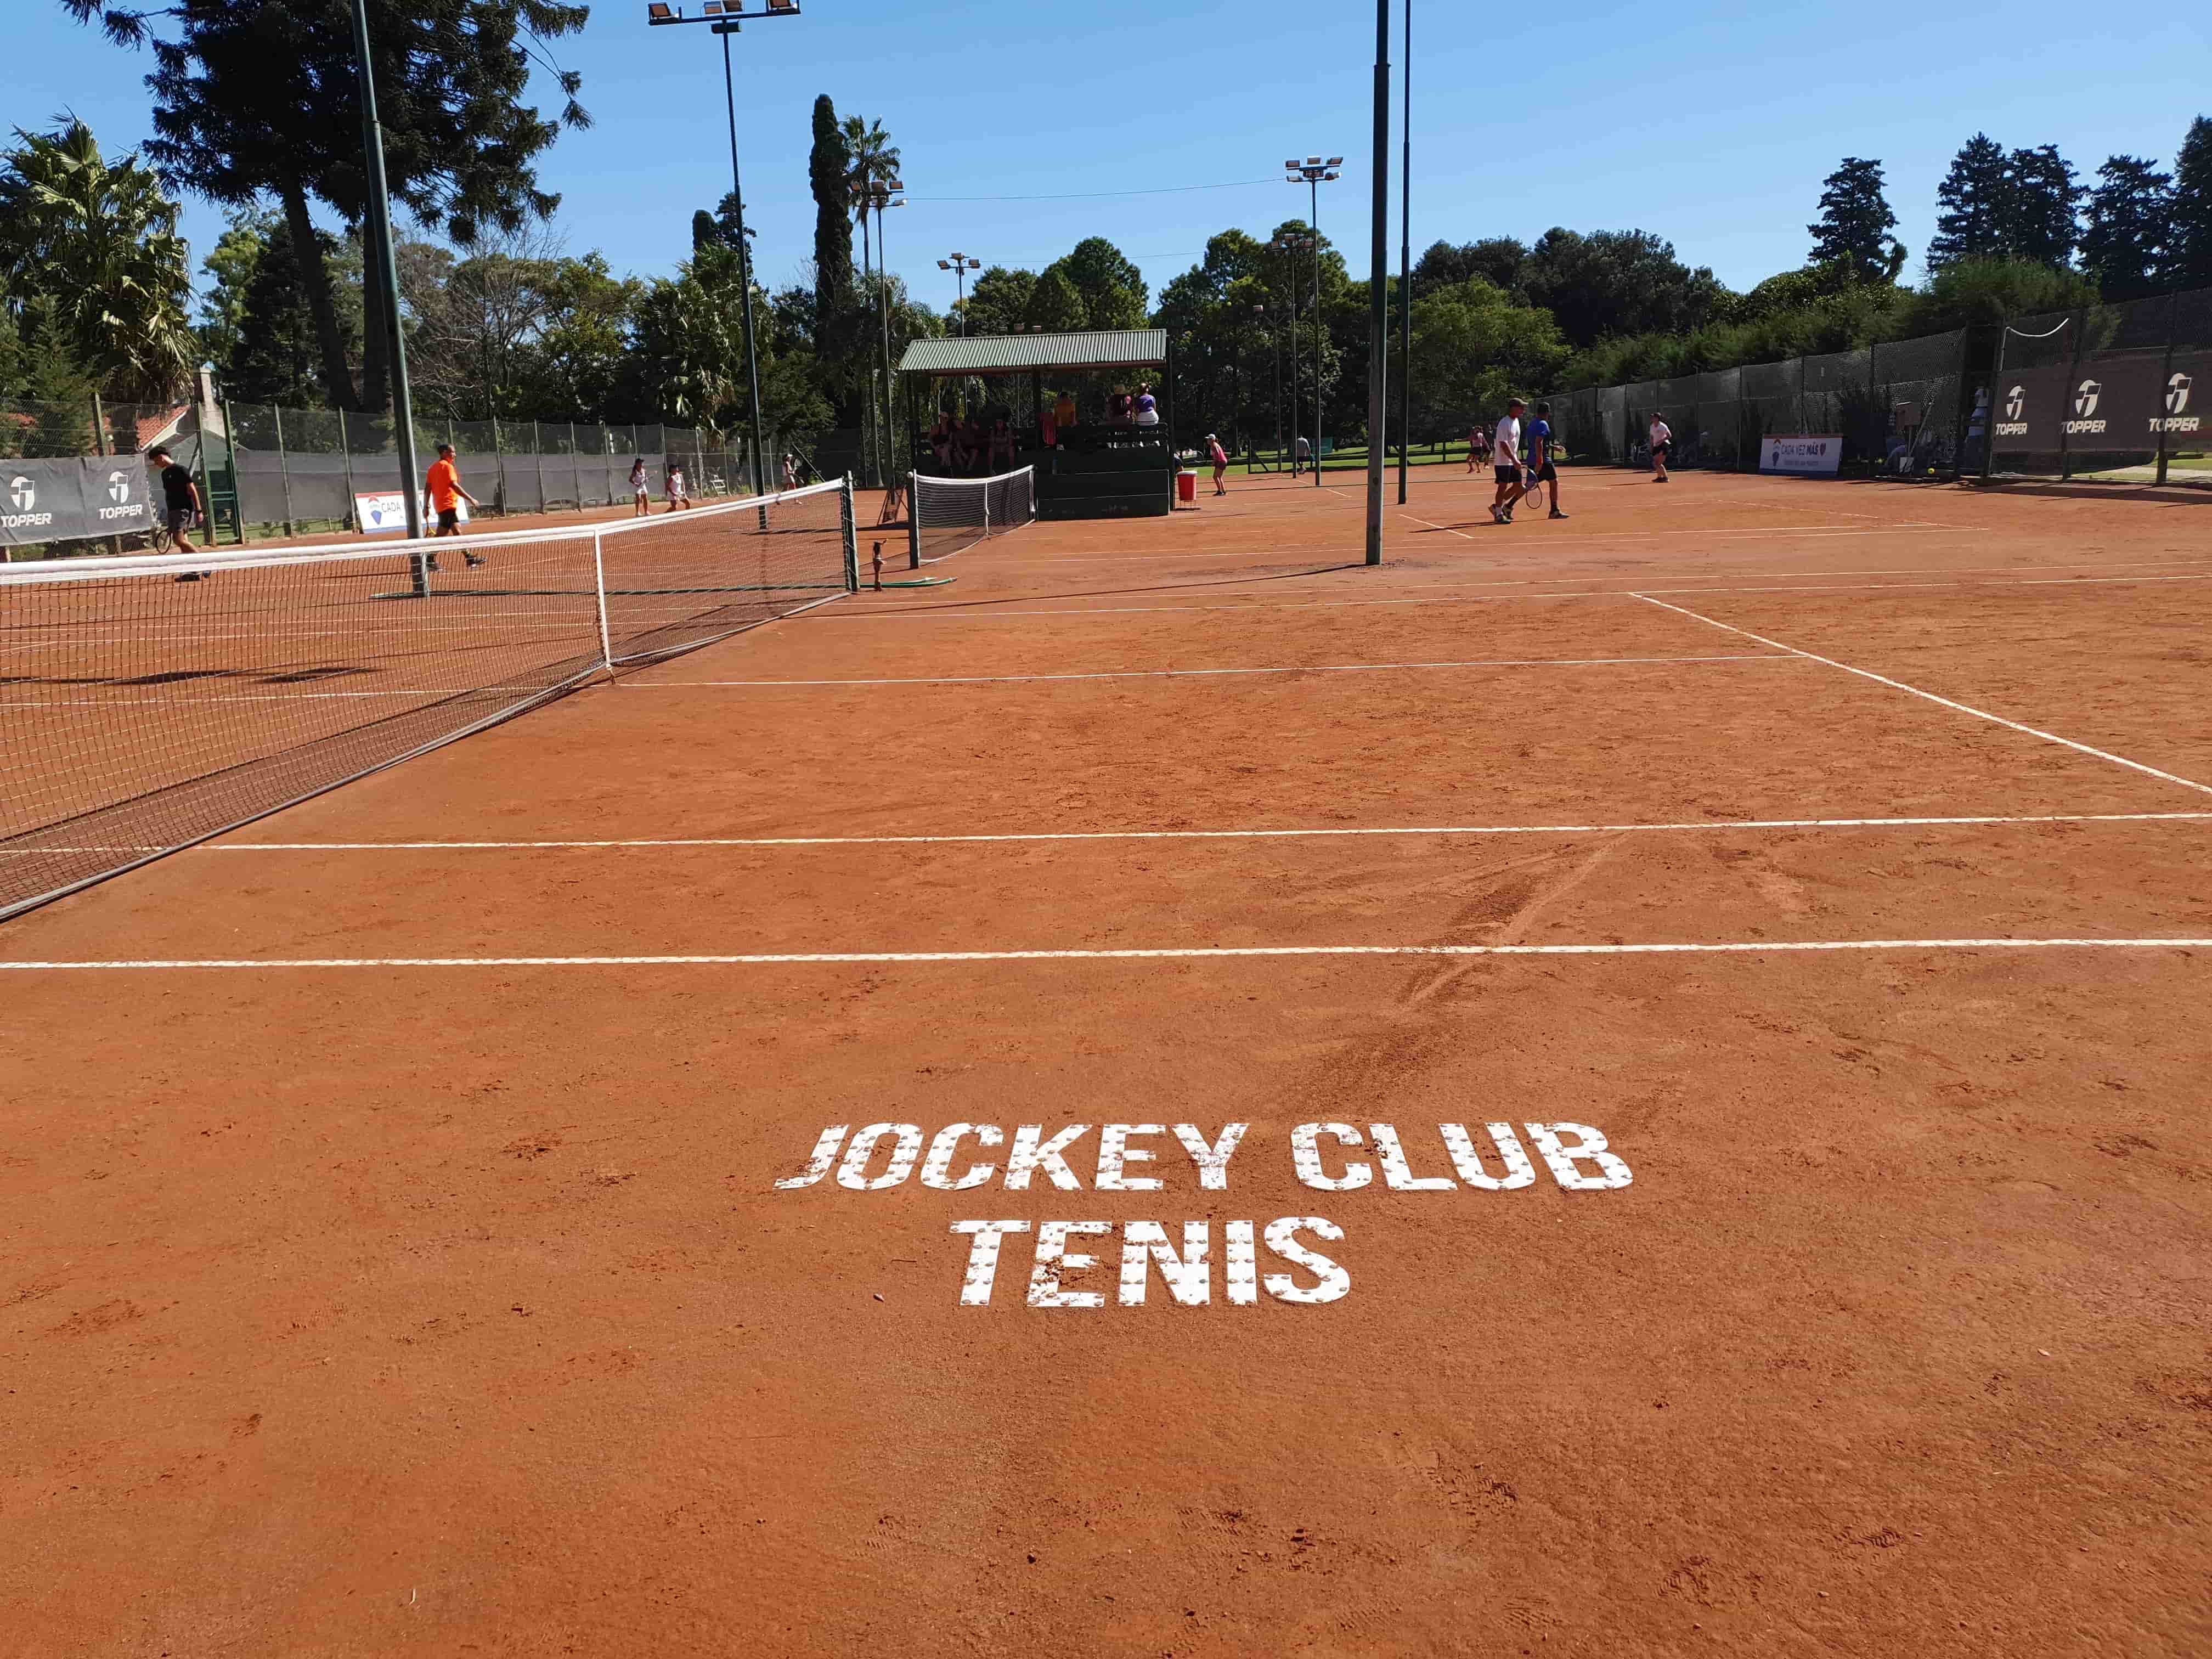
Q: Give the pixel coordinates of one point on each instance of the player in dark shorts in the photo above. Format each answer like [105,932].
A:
[180,505]
[1540,447]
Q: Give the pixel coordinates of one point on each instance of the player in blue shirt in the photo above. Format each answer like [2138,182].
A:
[1539,451]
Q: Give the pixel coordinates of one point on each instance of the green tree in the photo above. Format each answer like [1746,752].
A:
[99,243]
[1473,347]
[1617,282]
[255,98]
[1974,221]
[997,300]
[1853,230]
[2041,202]
[276,359]
[2130,221]
[1968,291]
[829,166]
[1496,259]
[229,271]
[1111,290]
[2189,257]
[1056,304]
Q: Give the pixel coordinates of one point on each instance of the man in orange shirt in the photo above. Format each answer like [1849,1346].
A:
[446,498]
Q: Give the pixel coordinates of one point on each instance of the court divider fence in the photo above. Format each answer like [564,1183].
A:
[2109,393]
[267,471]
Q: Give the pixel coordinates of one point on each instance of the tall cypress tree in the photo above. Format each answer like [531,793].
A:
[2130,221]
[1855,222]
[827,170]
[2189,250]
[1973,197]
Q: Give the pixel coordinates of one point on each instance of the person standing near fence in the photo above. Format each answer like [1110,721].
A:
[1662,435]
[641,489]
[446,495]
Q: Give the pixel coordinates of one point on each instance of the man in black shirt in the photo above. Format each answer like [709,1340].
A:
[180,498]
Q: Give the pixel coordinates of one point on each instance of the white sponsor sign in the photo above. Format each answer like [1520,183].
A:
[1820,454]
[386,514]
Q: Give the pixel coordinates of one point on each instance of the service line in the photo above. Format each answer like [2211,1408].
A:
[1748,947]
[1317,834]
[1195,673]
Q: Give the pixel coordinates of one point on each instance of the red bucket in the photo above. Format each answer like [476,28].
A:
[1187,487]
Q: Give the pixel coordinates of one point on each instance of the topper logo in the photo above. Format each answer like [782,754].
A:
[2085,398]
[2015,403]
[23,493]
[2177,394]
[119,488]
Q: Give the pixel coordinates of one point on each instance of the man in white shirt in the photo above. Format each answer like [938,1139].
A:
[1505,462]
[1661,437]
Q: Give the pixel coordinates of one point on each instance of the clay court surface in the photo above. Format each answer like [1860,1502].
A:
[410,1275]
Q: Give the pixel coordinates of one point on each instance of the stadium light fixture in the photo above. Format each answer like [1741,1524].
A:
[1336,161]
[657,13]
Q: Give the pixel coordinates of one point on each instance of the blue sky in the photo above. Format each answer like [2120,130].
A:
[1712,125]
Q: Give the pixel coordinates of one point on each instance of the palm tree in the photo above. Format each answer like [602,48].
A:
[100,243]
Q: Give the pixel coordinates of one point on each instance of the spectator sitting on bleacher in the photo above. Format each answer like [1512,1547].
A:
[1002,445]
[1063,413]
[1148,410]
[1117,408]
[940,440]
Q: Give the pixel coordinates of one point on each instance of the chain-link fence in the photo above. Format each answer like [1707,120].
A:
[268,471]
[2114,393]
[2109,393]
[1896,408]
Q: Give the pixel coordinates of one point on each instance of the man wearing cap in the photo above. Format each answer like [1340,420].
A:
[1505,462]
[1220,457]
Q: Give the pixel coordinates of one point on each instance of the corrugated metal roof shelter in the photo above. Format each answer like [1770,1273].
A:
[1008,354]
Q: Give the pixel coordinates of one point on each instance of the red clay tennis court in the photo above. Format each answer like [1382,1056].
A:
[1714,990]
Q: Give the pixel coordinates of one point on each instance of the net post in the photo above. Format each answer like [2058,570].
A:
[987,513]
[1996,391]
[914,521]
[2166,374]
[283,466]
[599,593]
[852,527]
[2079,320]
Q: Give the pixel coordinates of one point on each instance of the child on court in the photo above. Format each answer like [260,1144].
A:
[679,492]
[641,489]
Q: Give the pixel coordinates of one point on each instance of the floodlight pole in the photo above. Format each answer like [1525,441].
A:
[723,18]
[1313,223]
[1405,267]
[744,262]
[378,215]
[960,265]
[1378,288]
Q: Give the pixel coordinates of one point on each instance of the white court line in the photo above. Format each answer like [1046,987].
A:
[956,613]
[1964,708]
[1168,835]
[1446,528]
[796,958]
[1199,673]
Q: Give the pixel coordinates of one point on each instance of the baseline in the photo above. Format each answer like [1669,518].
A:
[1746,947]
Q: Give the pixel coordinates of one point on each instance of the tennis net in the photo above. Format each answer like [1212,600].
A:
[949,515]
[148,703]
